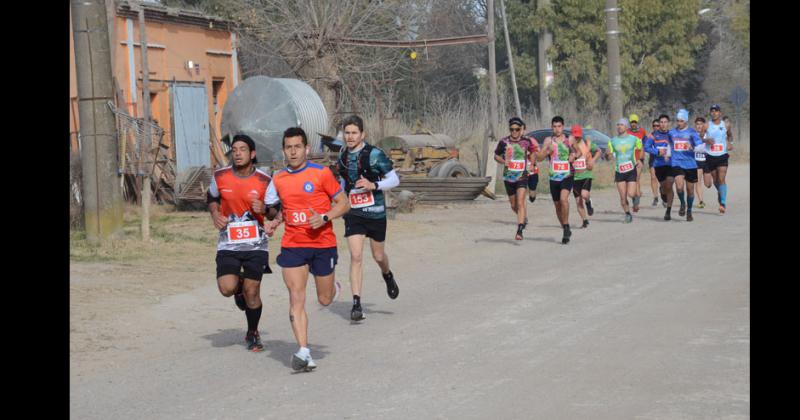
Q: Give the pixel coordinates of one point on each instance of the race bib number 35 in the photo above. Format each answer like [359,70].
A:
[516,165]
[242,232]
[297,217]
[579,164]
[625,167]
[361,198]
[560,166]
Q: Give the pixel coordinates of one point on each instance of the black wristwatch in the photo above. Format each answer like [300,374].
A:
[325,218]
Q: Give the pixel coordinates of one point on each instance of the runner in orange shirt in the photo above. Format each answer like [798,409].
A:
[638,132]
[235,200]
[303,192]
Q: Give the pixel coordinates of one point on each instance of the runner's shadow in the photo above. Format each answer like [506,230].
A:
[554,240]
[503,222]
[282,351]
[343,310]
[511,241]
[227,338]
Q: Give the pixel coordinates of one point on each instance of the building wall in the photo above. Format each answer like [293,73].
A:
[170,47]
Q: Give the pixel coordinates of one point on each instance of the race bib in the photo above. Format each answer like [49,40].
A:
[297,217]
[361,198]
[242,232]
[681,145]
[660,149]
[515,165]
[700,157]
[579,164]
[560,167]
[717,147]
[625,167]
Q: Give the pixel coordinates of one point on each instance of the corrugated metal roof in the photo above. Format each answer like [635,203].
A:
[406,141]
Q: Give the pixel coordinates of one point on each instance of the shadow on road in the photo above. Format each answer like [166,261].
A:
[276,349]
[343,310]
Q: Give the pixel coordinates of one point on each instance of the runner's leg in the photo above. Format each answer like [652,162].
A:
[296,279]
[379,254]
[521,206]
[722,171]
[228,284]
[698,186]
[326,288]
[356,245]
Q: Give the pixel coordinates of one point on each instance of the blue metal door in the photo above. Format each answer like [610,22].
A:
[190,126]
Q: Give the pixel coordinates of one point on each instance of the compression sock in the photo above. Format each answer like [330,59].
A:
[723,194]
[681,198]
[690,201]
[253,316]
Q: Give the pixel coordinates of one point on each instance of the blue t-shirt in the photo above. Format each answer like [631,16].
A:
[656,140]
[379,163]
[683,144]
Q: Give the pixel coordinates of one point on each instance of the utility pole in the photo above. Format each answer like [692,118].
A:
[614,75]
[510,58]
[144,151]
[545,70]
[102,205]
[489,165]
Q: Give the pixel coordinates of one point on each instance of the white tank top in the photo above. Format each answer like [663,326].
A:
[719,134]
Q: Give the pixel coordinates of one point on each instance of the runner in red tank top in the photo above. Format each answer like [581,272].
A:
[304,191]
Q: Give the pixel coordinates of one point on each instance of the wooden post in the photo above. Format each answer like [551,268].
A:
[146,143]
[490,166]
[614,75]
[510,59]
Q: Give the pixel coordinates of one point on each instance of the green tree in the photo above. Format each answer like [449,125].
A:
[659,43]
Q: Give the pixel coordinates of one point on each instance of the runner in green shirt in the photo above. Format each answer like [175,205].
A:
[586,153]
[623,147]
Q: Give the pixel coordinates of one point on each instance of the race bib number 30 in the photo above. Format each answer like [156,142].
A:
[297,217]
[717,147]
[681,145]
[242,232]
[625,167]
[516,165]
[560,166]
[579,164]
[361,198]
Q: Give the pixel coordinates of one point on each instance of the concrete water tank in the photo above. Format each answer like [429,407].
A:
[263,107]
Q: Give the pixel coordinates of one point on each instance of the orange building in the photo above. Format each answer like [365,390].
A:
[193,67]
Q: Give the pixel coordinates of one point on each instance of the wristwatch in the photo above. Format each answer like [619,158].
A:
[325,218]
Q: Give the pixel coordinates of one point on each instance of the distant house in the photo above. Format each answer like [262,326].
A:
[193,67]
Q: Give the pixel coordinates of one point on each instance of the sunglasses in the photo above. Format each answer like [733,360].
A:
[515,129]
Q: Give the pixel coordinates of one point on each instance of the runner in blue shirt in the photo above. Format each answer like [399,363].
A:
[660,144]
[684,167]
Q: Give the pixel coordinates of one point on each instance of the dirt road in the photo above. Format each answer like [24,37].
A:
[642,321]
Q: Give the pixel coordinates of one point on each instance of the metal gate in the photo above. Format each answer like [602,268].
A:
[190,126]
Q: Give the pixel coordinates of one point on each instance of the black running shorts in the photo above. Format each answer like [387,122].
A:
[512,187]
[663,172]
[557,186]
[690,175]
[714,162]
[253,263]
[629,176]
[581,184]
[372,228]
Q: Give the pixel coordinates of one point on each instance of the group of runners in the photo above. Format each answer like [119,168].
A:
[678,157]
[247,206]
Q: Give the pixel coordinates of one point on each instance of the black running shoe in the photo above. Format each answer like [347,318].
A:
[391,286]
[689,217]
[253,340]
[567,234]
[357,314]
[667,216]
[589,208]
[682,210]
[531,199]
[585,223]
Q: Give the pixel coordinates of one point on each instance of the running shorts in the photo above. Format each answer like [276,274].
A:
[663,172]
[557,186]
[581,184]
[714,162]
[320,261]
[372,228]
[690,175]
[253,263]
[629,176]
[512,187]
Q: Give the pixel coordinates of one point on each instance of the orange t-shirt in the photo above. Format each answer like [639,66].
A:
[640,133]
[238,193]
[311,187]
